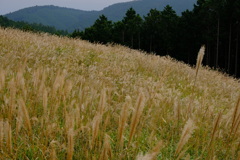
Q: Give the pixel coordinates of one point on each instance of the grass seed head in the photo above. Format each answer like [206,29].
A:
[25,115]
[199,60]
[186,134]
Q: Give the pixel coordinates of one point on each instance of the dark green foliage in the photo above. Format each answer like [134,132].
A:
[151,30]
[100,31]
[118,32]
[217,25]
[187,45]
[132,24]
[76,34]
[5,22]
[169,30]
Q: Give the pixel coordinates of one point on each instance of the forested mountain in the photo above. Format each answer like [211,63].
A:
[70,19]
[59,17]
[117,11]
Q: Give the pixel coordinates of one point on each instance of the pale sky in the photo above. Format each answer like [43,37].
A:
[7,6]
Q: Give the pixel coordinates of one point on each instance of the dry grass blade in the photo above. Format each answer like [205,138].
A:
[122,120]
[95,129]
[19,122]
[181,154]
[13,91]
[107,151]
[25,116]
[238,158]
[213,136]
[188,157]
[136,116]
[236,118]
[70,147]
[45,103]
[98,118]
[186,134]
[1,133]
[2,78]
[8,136]
[153,153]
[53,155]
[102,102]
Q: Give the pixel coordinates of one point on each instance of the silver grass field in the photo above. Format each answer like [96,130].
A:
[63,98]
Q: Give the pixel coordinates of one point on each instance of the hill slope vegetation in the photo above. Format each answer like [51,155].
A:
[70,19]
[69,99]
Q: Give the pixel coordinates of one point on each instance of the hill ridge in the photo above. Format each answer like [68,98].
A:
[69,19]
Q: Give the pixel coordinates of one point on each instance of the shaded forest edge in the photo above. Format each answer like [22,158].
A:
[214,23]
[34,27]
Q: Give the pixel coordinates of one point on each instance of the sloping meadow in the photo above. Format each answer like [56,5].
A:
[63,98]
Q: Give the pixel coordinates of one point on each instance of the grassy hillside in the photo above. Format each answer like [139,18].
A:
[62,98]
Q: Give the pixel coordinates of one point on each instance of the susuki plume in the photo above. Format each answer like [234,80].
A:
[200,59]
[186,134]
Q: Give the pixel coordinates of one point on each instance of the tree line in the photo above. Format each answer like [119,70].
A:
[215,23]
[34,27]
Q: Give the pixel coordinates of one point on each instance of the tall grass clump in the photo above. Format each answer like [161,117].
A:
[63,98]
[136,116]
[186,134]
[123,120]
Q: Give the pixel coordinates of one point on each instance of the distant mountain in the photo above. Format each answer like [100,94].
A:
[70,19]
[59,17]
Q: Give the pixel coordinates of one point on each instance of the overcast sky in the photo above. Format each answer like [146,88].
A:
[7,6]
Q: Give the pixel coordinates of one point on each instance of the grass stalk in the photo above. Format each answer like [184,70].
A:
[136,116]
[13,91]
[213,136]
[2,79]
[106,151]
[8,135]
[235,118]
[26,117]
[1,133]
[70,146]
[122,120]
[153,153]
[95,129]
[186,134]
